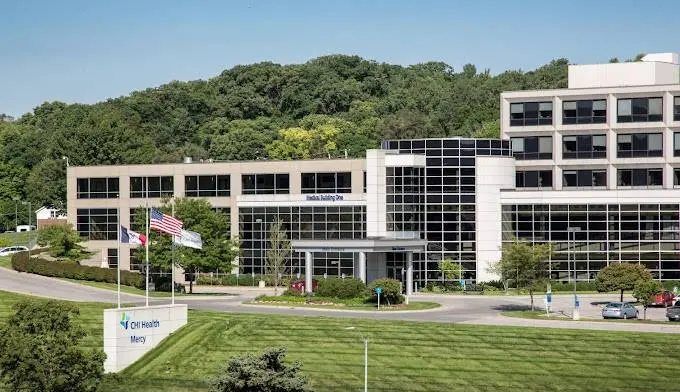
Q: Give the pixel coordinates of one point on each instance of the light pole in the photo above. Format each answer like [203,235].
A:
[65,158]
[365,339]
[572,238]
[28,245]
[16,220]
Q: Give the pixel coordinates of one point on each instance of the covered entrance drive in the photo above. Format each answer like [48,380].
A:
[362,247]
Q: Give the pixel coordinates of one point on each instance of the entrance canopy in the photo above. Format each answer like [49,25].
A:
[363,246]
[367,245]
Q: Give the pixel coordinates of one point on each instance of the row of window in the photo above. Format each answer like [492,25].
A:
[212,185]
[593,178]
[628,110]
[636,145]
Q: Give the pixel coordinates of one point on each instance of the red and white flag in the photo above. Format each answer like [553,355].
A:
[165,223]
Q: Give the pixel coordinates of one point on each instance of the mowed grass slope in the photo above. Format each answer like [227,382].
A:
[403,356]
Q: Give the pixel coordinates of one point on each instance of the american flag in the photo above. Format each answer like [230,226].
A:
[165,223]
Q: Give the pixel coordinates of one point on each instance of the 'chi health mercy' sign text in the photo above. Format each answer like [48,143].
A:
[130,333]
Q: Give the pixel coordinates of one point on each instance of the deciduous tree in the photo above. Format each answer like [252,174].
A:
[42,350]
[219,249]
[64,242]
[644,292]
[278,252]
[621,277]
[525,264]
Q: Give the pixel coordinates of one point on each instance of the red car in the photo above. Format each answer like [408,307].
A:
[300,285]
[663,298]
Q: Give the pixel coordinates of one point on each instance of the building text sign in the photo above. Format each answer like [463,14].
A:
[129,333]
[334,197]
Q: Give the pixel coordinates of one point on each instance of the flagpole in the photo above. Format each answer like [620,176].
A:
[118,266]
[172,265]
[148,239]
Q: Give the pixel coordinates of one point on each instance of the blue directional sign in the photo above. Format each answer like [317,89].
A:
[378,290]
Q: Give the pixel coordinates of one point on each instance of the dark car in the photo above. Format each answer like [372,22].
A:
[673,313]
[299,285]
[662,298]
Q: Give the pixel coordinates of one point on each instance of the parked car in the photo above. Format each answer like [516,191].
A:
[12,250]
[673,313]
[622,310]
[663,298]
[299,285]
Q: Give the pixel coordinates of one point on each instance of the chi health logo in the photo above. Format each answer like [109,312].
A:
[125,320]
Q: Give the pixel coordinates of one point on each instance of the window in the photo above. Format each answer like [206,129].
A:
[584,112]
[640,110]
[584,146]
[112,257]
[676,108]
[207,186]
[97,223]
[98,188]
[676,177]
[265,184]
[584,178]
[531,113]
[526,148]
[327,182]
[157,187]
[676,144]
[639,145]
[640,177]
[533,179]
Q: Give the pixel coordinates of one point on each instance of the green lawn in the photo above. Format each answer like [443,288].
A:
[334,303]
[540,315]
[403,356]
[7,239]
[6,261]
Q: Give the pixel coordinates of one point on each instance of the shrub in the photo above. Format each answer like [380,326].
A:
[58,269]
[391,291]
[230,280]
[342,288]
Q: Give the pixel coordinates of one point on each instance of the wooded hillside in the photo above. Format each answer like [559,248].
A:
[322,108]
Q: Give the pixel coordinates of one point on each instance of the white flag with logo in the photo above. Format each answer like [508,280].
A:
[189,239]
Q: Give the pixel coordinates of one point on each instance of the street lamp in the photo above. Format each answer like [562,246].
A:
[572,237]
[365,339]
[28,245]
[65,158]
[16,220]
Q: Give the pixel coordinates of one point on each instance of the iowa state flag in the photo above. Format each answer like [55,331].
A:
[130,237]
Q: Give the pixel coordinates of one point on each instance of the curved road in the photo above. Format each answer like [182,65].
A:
[454,309]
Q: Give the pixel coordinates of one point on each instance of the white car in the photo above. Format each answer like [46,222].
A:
[12,250]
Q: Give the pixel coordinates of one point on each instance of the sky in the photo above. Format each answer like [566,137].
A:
[88,50]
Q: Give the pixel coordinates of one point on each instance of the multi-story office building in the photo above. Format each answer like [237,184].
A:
[598,167]
[592,168]
[414,203]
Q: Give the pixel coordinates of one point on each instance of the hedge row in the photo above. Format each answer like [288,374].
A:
[59,269]
[350,287]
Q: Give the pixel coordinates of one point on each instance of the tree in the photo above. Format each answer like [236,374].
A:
[219,249]
[450,269]
[279,252]
[525,264]
[267,372]
[644,292]
[240,145]
[620,277]
[489,130]
[41,350]
[46,184]
[315,138]
[63,241]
